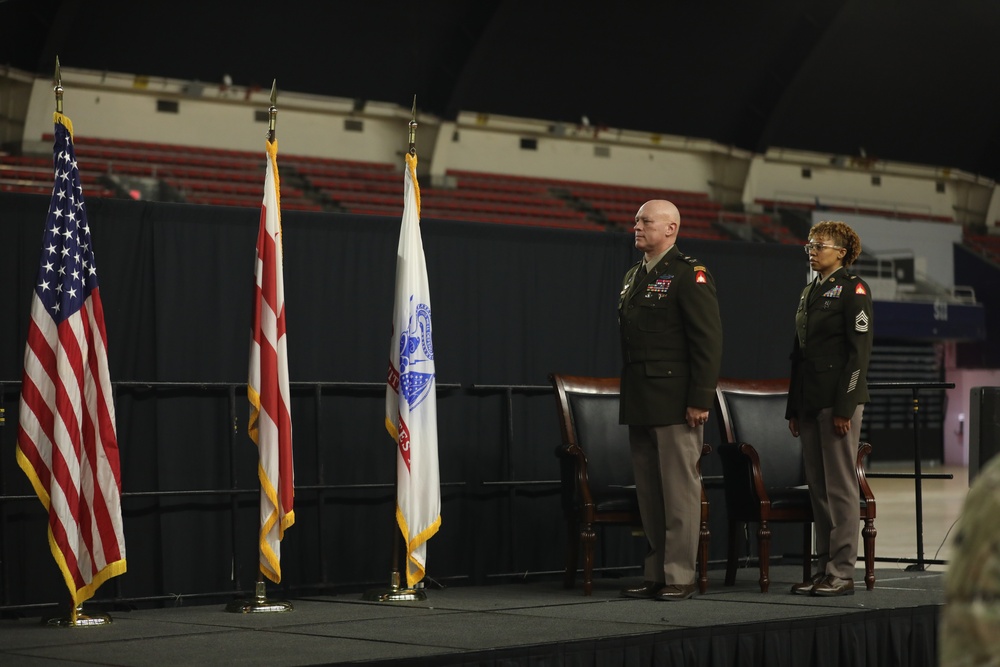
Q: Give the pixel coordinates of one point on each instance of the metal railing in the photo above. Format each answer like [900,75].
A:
[321,489]
[508,482]
[917,564]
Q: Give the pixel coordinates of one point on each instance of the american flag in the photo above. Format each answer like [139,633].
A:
[270,404]
[410,399]
[66,439]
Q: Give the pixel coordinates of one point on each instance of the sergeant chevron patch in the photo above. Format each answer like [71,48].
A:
[861,322]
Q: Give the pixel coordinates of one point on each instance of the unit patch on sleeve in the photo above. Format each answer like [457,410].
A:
[699,277]
[860,289]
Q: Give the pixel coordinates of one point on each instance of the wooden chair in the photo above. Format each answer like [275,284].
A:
[598,484]
[764,476]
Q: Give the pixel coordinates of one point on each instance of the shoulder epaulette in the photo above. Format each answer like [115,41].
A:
[698,266]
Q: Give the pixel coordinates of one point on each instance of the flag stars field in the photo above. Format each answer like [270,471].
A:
[67,442]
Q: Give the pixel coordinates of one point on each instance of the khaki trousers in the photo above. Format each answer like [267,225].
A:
[668,485]
[833,488]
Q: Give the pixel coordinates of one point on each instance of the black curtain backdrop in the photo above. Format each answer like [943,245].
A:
[510,305]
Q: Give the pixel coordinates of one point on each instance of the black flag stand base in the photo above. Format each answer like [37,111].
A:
[395,593]
[81,621]
[260,604]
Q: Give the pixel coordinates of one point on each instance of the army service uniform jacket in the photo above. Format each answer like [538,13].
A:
[671,337]
[832,347]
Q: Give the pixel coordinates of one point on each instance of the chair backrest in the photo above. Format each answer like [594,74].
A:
[753,411]
[588,417]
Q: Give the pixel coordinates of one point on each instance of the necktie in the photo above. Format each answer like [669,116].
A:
[813,286]
[640,275]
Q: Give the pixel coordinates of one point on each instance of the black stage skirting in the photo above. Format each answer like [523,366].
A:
[526,623]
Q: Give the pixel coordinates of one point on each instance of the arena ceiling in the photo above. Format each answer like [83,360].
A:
[906,80]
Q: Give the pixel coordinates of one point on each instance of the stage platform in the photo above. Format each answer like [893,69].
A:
[527,623]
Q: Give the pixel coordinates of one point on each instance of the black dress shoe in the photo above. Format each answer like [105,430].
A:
[806,587]
[672,592]
[649,589]
[832,587]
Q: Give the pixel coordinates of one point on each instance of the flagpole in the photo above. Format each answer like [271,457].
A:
[76,618]
[260,603]
[272,112]
[58,89]
[412,134]
[396,592]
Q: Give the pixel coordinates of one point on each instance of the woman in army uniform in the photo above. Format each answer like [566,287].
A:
[829,387]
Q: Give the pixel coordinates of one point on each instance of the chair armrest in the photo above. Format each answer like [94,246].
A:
[565,451]
[864,450]
[756,476]
[743,493]
[706,449]
[572,456]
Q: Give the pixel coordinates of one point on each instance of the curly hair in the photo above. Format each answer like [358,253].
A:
[841,234]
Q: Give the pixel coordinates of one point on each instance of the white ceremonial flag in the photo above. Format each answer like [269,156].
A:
[410,400]
[267,387]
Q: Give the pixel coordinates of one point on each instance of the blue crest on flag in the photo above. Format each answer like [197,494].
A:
[416,354]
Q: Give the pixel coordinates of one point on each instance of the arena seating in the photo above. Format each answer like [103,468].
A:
[605,206]
[199,175]
[775,204]
[33,175]
[987,245]
[760,227]
[223,177]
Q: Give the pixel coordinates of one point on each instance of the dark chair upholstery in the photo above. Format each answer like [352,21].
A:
[764,477]
[598,484]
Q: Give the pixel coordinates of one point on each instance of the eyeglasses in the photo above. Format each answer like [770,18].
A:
[816,247]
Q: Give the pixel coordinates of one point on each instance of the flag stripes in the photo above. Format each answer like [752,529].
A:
[67,443]
[270,424]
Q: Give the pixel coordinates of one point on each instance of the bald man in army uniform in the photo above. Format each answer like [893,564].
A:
[826,399]
[671,336]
